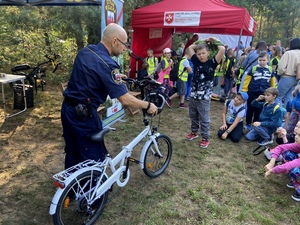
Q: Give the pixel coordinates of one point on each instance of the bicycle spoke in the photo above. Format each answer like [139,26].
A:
[155,163]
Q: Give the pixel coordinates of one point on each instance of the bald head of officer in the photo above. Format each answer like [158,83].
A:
[115,39]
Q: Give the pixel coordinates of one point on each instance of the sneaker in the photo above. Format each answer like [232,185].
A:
[204,143]
[222,99]
[183,106]
[192,136]
[169,102]
[265,142]
[187,99]
[248,127]
[268,155]
[296,197]
[290,185]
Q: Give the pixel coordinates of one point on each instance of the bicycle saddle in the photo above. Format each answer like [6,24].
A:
[99,136]
[20,68]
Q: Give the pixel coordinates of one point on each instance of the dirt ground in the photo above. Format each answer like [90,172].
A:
[199,186]
[31,151]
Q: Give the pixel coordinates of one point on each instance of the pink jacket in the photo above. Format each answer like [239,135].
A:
[162,74]
[286,167]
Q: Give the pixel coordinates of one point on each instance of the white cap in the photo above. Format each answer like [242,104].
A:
[167,50]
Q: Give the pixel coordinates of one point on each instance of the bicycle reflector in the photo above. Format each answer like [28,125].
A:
[59,184]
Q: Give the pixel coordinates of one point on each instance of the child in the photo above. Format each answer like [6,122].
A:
[232,117]
[255,84]
[276,55]
[269,119]
[229,63]
[166,65]
[291,164]
[295,113]
[282,138]
[184,69]
[142,74]
[189,81]
[202,85]
[152,62]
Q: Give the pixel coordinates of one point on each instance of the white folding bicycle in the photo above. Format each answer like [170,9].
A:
[83,189]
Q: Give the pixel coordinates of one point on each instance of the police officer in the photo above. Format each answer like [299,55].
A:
[95,75]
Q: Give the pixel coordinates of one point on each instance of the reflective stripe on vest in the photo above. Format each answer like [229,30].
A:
[184,75]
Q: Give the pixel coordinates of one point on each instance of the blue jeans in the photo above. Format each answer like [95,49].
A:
[285,88]
[258,133]
[227,85]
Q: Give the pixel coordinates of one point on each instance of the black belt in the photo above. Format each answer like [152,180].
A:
[71,101]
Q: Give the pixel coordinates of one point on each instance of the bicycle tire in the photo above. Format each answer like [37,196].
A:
[154,164]
[76,211]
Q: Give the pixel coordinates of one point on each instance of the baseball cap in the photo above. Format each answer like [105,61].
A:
[174,53]
[244,95]
[167,50]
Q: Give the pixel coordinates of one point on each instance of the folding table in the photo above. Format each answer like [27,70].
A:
[9,78]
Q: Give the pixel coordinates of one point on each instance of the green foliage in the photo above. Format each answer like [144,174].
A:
[29,33]
[276,19]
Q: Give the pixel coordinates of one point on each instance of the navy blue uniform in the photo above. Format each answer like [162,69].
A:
[95,79]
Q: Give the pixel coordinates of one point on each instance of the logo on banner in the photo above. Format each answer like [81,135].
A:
[110,11]
[169,18]
[182,18]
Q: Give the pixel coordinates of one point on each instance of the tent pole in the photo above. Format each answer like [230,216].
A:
[240,38]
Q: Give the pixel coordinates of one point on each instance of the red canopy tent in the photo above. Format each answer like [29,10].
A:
[154,25]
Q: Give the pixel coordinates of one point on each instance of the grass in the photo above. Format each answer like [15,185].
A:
[223,184]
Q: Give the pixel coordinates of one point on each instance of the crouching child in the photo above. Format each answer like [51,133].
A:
[270,118]
[232,118]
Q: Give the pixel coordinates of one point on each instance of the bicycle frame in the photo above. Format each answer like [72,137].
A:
[119,173]
[38,71]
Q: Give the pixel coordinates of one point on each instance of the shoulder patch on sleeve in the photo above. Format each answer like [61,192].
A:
[115,74]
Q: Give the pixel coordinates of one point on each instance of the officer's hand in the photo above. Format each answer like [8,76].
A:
[123,76]
[152,110]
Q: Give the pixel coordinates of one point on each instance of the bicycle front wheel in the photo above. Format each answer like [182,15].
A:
[156,162]
[73,208]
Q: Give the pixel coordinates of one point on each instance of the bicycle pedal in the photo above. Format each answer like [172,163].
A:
[134,160]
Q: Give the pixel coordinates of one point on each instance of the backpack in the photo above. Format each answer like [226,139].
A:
[282,114]
[174,72]
[239,110]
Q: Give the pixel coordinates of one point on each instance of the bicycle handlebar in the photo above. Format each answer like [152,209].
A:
[144,82]
[52,57]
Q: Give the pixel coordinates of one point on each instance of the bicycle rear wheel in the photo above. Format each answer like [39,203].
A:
[73,209]
[155,163]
